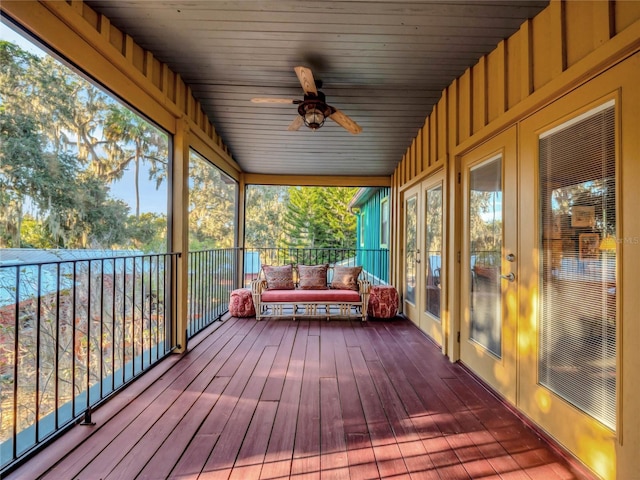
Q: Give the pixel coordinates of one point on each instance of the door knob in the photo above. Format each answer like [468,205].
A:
[511,277]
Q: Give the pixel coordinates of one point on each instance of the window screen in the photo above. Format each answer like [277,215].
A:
[577,335]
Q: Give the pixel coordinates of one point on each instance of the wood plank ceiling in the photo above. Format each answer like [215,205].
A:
[383,63]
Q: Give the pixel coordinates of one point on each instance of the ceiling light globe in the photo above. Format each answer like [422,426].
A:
[314,118]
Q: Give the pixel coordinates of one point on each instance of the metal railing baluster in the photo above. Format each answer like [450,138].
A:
[56,382]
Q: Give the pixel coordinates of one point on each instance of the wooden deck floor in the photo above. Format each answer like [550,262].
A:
[309,399]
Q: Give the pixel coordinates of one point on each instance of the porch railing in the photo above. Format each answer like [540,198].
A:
[76,330]
[72,333]
[212,277]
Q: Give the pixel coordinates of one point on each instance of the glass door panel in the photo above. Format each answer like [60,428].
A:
[485,248]
[433,250]
[489,298]
[412,274]
[411,248]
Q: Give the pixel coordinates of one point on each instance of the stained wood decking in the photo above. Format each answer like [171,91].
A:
[309,399]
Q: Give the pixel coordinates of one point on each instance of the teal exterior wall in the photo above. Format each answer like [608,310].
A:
[372,253]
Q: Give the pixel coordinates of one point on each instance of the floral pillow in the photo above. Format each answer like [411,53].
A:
[345,278]
[313,277]
[279,278]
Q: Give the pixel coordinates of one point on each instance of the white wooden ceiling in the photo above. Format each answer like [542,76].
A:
[383,63]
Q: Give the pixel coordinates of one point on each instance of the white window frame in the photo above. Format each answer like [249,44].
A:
[384,222]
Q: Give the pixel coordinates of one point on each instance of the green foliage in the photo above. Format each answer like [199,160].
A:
[212,200]
[34,234]
[62,142]
[265,211]
[131,139]
[147,232]
[318,217]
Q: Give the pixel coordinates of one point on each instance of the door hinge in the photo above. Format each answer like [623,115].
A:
[459,176]
[458,337]
[458,257]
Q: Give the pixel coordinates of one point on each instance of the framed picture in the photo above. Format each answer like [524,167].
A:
[583,216]
[588,246]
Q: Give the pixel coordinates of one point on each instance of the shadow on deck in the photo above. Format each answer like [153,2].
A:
[283,399]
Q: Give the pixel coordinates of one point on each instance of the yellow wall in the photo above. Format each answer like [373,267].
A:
[563,47]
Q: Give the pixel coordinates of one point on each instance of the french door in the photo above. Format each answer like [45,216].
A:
[570,375]
[424,207]
[489,294]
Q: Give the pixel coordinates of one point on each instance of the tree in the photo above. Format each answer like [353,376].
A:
[132,139]
[265,210]
[212,206]
[62,141]
[318,217]
[148,232]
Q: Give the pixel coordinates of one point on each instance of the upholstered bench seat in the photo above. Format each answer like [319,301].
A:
[301,296]
[320,290]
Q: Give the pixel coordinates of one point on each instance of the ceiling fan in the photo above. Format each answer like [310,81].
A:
[313,110]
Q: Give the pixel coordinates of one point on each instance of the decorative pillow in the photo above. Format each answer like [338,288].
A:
[313,277]
[345,278]
[279,278]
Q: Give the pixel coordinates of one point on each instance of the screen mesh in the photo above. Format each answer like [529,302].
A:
[577,335]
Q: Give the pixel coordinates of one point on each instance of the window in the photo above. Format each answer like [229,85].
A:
[433,236]
[384,223]
[485,240]
[83,177]
[411,248]
[577,336]
[212,205]
[89,173]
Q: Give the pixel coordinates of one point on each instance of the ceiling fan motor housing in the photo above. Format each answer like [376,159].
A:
[314,110]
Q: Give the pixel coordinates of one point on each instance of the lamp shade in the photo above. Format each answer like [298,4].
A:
[608,244]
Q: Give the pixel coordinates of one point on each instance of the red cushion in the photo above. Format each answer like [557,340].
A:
[346,278]
[313,277]
[292,296]
[279,277]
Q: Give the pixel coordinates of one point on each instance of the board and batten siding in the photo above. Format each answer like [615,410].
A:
[562,48]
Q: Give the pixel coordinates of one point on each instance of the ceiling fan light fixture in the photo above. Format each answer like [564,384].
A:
[314,113]
[313,110]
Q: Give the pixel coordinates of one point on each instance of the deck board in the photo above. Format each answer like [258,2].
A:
[304,399]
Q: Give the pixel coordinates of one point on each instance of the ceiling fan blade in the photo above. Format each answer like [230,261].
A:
[345,122]
[274,100]
[306,80]
[296,124]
